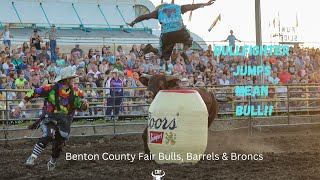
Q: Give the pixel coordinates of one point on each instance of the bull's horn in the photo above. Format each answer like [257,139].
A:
[170,77]
[146,76]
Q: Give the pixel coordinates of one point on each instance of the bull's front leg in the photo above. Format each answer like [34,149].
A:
[145,143]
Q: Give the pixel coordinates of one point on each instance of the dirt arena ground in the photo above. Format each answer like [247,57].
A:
[287,154]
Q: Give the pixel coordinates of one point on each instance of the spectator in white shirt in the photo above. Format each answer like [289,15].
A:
[224,81]
[199,82]
[120,51]
[146,65]
[273,79]
[6,36]
[5,65]
[19,49]
[94,72]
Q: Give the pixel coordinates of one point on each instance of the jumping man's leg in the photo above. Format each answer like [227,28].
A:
[181,36]
[187,43]
[149,48]
[167,42]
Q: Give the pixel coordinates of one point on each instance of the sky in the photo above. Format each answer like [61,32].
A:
[239,16]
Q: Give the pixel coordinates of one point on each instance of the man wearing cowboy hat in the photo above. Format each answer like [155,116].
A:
[60,102]
[114,92]
[172,28]
[185,82]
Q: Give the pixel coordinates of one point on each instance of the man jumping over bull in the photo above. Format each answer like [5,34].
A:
[172,28]
[60,102]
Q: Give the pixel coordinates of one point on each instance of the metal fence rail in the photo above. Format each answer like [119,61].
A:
[289,102]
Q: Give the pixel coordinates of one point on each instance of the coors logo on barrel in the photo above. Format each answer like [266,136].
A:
[160,123]
[156,137]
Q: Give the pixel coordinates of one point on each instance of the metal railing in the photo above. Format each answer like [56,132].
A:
[290,102]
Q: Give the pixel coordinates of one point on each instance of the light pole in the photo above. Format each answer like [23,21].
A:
[258,36]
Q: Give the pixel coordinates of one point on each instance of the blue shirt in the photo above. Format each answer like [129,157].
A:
[7,72]
[116,87]
[232,40]
[112,59]
[189,68]
[170,68]
[23,66]
[130,63]
[54,57]
[146,67]
[3,86]
[169,16]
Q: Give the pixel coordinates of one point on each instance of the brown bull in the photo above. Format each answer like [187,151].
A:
[159,82]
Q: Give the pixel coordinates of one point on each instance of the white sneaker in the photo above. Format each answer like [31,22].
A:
[30,160]
[51,165]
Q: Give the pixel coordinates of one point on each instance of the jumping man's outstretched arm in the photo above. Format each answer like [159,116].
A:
[191,7]
[152,15]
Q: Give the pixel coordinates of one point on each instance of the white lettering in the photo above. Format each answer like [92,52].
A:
[119,157]
[155,138]
[189,156]
[246,157]
[82,157]
[68,156]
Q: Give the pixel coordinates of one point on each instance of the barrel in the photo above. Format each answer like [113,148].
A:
[177,126]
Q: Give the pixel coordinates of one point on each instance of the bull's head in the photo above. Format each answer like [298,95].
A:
[156,83]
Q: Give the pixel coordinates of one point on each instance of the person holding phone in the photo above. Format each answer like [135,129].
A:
[36,40]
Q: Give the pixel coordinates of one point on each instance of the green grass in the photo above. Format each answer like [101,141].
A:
[25,123]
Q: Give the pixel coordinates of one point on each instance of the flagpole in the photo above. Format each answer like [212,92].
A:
[279,20]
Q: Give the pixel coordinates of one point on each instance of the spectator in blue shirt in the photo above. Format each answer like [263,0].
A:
[23,66]
[232,40]
[54,56]
[114,93]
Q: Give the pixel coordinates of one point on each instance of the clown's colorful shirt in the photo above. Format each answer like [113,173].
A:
[48,93]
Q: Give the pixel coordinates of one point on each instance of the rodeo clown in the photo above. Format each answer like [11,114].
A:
[172,28]
[60,102]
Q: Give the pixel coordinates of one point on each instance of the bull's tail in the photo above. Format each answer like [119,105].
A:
[213,110]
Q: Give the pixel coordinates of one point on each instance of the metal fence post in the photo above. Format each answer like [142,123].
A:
[7,109]
[114,111]
[307,98]
[104,109]
[233,101]
[250,119]
[288,106]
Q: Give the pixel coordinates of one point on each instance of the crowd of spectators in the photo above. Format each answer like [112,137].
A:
[34,63]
